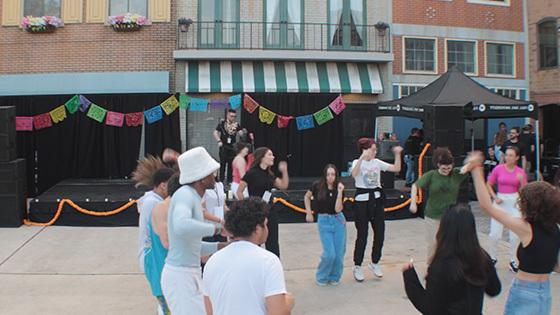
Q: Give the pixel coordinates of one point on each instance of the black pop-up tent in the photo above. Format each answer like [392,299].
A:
[440,105]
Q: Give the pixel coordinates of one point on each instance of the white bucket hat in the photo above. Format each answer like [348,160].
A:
[195,164]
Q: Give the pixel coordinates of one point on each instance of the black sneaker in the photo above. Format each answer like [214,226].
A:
[513,266]
[494,261]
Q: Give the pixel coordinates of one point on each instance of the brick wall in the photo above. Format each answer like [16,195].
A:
[88,47]
[545,83]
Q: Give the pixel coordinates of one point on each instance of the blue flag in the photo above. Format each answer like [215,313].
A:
[199,104]
[235,101]
[305,122]
[153,114]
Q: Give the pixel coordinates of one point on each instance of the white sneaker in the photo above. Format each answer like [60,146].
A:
[376,269]
[358,273]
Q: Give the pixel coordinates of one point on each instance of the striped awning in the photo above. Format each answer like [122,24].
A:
[282,76]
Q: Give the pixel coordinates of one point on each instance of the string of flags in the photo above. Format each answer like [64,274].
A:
[322,116]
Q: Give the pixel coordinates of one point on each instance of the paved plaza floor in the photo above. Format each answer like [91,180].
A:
[94,270]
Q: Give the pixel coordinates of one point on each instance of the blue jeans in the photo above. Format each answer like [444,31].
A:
[332,231]
[528,298]
[409,160]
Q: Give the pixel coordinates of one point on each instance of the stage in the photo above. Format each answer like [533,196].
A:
[102,195]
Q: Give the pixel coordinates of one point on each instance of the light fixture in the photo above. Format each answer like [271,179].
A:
[184,24]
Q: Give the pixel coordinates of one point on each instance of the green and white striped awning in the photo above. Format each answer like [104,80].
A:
[282,76]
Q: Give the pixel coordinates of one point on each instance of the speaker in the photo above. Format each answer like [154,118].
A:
[7,133]
[12,193]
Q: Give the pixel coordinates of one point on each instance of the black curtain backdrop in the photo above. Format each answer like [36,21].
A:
[80,147]
[307,151]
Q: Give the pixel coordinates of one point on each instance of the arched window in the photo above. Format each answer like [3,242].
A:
[548,43]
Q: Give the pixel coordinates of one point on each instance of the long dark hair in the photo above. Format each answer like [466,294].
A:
[259,155]
[321,186]
[457,240]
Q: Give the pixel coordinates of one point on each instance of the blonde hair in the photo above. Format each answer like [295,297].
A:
[144,173]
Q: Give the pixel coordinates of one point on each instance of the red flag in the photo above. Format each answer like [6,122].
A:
[249,103]
[114,119]
[42,121]
[134,119]
[283,121]
[24,123]
[337,105]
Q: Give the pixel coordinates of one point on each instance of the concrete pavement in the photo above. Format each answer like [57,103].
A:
[79,270]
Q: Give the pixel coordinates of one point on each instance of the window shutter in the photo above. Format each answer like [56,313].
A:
[72,11]
[11,12]
[159,10]
[96,11]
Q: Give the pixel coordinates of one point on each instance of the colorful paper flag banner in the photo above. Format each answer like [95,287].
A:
[235,101]
[170,105]
[114,119]
[184,100]
[134,119]
[24,123]
[58,114]
[305,122]
[199,104]
[250,104]
[337,105]
[42,121]
[323,116]
[153,114]
[84,103]
[220,102]
[283,121]
[73,104]
[266,116]
[97,113]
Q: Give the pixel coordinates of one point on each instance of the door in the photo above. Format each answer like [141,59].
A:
[347,24]
[219,24]
[284,24]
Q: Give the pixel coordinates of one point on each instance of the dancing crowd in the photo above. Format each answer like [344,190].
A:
[203,255]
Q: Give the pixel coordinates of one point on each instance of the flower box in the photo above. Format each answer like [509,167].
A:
[127,22]
[41,24]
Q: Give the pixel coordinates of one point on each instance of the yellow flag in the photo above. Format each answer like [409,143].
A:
[266,116]
[58,114]
[170,104]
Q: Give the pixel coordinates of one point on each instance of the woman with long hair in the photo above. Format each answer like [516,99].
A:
[509,178]
[240,166]
[443,186]
[369,206]
[459,273]
[538,231]
[259,181]
[328,194]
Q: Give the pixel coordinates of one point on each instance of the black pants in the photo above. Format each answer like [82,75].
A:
[272,244]
[366,212]
[226,157]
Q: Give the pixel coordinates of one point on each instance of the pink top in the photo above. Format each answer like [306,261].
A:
[235,171]
[508,181]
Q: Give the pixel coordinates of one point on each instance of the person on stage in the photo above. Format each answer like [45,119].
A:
[442,185]
[226,136]
[509,178]
[181,276]
[369,203]
[259,181]
[328,195]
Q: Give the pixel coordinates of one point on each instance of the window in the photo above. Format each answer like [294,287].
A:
[503,3]
[420,54]
[347,23]
[548,44]
[41,7]
[462,54]
[219,23]
[407,90]
[283,23]
[500,59]
[128,6]
[511,93]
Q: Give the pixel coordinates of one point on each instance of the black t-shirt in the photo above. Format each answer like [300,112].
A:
[326,205]
[258,181]
[228,137]
[412,145]
[528,139]
[519,145]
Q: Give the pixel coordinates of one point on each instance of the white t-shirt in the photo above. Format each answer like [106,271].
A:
[240,277]
[369,176]
[215,200]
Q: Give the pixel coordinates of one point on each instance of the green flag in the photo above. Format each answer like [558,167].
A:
[96,113]
[184,101]
[323,116]
[73,104]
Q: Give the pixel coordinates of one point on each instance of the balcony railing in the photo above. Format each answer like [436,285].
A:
[283,35]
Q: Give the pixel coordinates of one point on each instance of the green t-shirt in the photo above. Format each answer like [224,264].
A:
[443,191]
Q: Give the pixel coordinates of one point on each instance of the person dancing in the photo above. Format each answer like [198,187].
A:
[369,205]
[240,166]
[328,194]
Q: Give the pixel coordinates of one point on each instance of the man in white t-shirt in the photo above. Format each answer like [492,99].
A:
[244,278]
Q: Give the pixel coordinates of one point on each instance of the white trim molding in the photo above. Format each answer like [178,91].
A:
[404,70]
[505,3]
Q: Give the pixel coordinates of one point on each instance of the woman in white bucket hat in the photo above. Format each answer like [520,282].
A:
[181,276]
